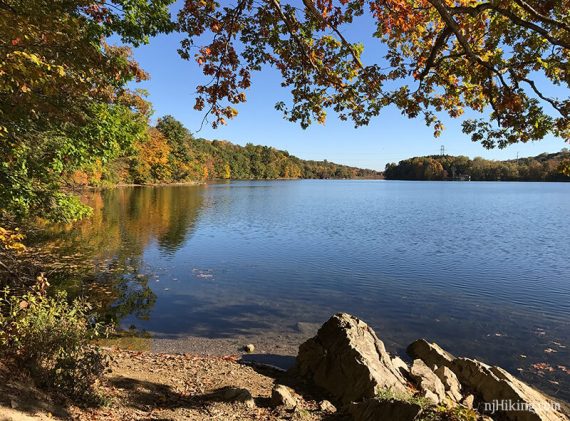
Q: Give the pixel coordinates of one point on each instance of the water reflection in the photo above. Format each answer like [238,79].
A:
[107,249]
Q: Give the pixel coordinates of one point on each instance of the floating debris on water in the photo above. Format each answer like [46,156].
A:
[203,274]
[542,367]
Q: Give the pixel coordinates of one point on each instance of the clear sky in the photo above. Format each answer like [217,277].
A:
[389,138]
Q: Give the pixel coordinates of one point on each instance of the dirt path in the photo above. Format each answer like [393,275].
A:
[147,386]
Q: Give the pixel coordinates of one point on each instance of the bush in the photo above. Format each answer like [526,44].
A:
[49,337]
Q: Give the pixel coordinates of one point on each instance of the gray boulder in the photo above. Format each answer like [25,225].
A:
[347,359]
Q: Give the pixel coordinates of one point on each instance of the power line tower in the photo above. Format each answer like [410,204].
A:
[442,150]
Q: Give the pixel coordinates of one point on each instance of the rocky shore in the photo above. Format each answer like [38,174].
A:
[343,372]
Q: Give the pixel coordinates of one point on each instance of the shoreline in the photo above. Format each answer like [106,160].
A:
[169,384]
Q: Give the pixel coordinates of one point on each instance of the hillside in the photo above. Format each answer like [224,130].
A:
[544,167]
[170,154]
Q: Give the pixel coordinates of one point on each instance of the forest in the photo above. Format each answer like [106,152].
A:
[544,167]
[169,153]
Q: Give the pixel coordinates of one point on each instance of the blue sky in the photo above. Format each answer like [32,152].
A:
[389,138]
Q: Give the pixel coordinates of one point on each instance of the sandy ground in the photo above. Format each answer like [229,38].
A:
[150,386]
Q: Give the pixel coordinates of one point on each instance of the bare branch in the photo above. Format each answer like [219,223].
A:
[555,104]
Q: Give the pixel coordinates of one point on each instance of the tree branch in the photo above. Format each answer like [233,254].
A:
[474,11]
[538,16]
[454,27]
[437,46]
[555,104]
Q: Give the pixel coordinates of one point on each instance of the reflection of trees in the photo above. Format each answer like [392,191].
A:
[103,254]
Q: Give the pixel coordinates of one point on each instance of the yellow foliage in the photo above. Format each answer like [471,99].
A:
[11,240]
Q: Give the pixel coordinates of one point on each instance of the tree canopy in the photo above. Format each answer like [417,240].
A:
[64,100]
[500,57]
[171,154]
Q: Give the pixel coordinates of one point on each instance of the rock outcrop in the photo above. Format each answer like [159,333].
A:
[347,360]
[494,388]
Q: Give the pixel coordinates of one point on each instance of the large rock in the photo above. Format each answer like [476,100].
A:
[347,359]
[496,386]
[429,384]
[430,353]
[379,409]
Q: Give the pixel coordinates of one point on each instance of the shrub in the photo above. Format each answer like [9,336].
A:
[49,337]
[430,411]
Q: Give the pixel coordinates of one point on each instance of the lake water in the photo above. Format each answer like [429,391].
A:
[481,268]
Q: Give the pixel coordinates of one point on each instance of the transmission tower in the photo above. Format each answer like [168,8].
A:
[442,150]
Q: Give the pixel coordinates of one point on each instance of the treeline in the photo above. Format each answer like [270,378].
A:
[169,153]
[544,167]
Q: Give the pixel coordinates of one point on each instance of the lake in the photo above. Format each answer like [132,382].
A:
[481,268]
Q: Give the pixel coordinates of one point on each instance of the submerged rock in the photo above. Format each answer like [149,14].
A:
[347,359]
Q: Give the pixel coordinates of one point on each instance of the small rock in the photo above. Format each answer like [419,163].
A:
[468,401]
[450,381]
[430,353]
[249,348]
[400,365]
[237,394]
[427,381]
[283,396]
[326,406]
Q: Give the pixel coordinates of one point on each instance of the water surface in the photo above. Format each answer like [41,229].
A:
[481,268]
